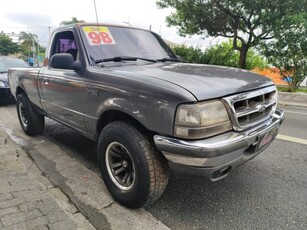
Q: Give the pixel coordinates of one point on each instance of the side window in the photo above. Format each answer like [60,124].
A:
[64,42]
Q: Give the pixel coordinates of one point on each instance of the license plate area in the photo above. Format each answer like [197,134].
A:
[267,138]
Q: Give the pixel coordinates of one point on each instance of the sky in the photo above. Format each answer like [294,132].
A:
[40,16]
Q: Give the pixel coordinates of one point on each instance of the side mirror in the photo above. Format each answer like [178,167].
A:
[64,61]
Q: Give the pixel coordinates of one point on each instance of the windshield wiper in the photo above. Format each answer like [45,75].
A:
[169,59]
[3,71]
[123,58]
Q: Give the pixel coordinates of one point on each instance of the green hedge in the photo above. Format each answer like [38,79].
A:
[221,54]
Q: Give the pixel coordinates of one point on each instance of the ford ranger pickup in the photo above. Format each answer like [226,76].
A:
[146,109]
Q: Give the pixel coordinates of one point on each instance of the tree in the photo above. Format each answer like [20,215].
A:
[288,51]
[73,20]
[27,40]
[246,22]
[7,46]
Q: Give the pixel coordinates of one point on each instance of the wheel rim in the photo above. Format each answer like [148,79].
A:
[23,115]
[120,166]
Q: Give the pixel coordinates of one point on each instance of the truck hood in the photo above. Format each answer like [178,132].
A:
[203,81]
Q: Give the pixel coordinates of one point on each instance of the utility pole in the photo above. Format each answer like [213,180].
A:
[33,49]
[37,52]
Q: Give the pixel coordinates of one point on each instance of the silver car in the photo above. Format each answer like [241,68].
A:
[5,64]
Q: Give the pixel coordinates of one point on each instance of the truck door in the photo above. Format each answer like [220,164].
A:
[63,90]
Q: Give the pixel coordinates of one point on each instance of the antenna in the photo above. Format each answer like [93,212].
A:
[98,26]
[96,12]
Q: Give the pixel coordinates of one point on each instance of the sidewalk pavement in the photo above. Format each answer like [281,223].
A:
[27,199]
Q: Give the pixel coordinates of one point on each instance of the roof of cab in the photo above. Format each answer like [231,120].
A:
[99,24]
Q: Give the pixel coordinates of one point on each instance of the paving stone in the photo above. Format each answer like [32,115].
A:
[8,189]
[63,225]
[3,182]
[12,202]
[31,195]
[24,179]
[49,207]
[6,152]
[5,196]
[41,228]
[7,211]
[37,222]
[31,205]
[19,226]
[16,218]
[56,217]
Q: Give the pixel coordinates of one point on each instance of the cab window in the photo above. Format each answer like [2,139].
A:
[64,42]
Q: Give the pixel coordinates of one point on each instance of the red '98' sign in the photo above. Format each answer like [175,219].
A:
[101,37]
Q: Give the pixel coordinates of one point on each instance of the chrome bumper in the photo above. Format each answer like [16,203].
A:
[217,156]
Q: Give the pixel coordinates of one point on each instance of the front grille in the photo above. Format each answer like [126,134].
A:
[251,108]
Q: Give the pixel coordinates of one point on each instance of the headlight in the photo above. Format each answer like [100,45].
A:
[201,120]
[2,84]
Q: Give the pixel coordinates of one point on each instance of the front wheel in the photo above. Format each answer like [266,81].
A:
[135,173]
[31,122]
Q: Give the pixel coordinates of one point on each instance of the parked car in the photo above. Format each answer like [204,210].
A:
[5,64]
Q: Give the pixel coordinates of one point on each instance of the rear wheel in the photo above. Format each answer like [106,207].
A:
[135,173]
[31,122]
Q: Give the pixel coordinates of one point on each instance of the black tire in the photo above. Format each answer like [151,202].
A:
[31,122]
[123,153]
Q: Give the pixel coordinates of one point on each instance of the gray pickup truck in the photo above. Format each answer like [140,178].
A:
[147,111]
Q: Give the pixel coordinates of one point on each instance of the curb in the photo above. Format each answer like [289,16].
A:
[292,99]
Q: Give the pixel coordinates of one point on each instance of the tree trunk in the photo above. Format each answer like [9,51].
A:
[243,54]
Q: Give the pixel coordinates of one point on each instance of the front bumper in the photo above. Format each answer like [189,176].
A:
[215,157]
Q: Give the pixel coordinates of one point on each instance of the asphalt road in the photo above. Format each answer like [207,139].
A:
[268,192]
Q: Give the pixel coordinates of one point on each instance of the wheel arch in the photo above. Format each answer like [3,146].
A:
[116,115]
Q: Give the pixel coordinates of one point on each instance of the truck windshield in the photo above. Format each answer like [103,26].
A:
[110,43]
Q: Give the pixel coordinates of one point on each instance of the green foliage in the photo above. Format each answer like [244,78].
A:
[220,54]
[247,22]
[42,49]
[27,40]
[7,46]
[190,54]
[288,51]
[255,60]
[223,54]
[73,20]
